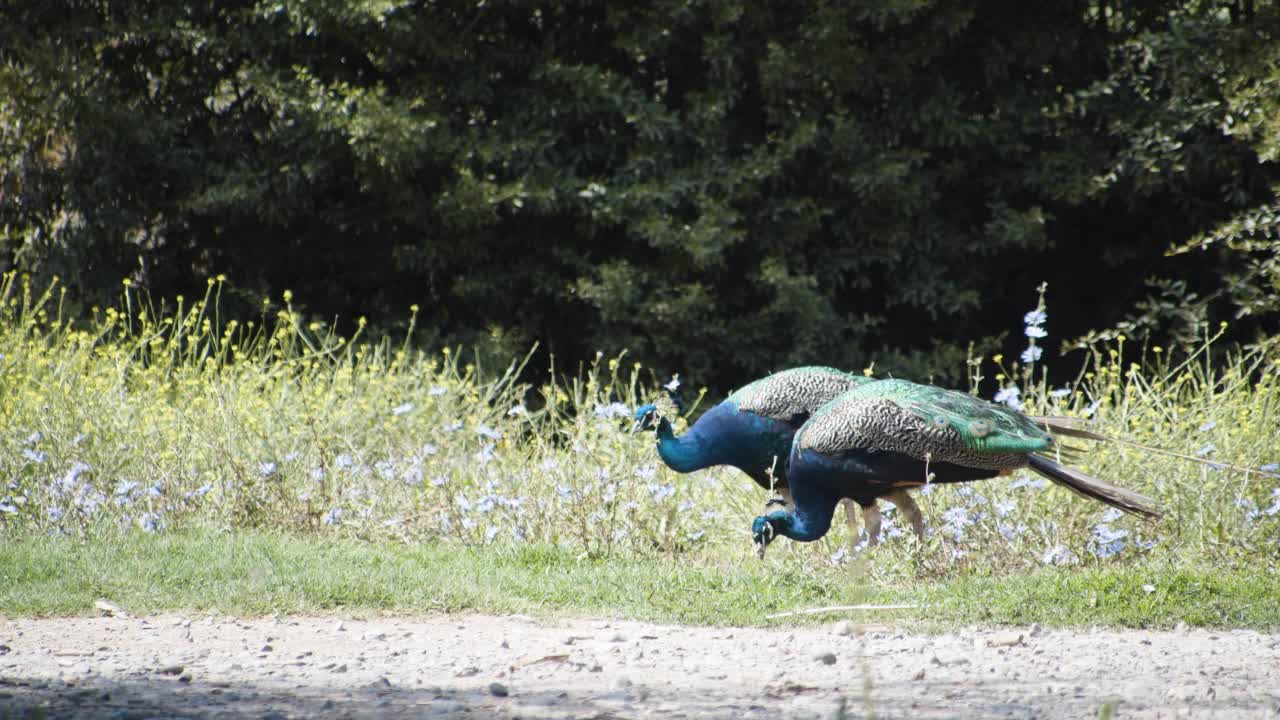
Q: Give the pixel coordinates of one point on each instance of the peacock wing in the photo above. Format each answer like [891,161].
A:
[923,421]
[791,396]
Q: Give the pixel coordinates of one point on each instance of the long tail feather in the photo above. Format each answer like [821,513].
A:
[1072,427]
[1091,487]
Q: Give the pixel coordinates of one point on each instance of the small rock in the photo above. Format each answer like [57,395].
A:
[497,689]
[1180,628]
[1006,639]
[380,685]
[919,675]
[185,678]
[170,670]
[272,715]
[843,628]
[341,668]
[339,627]
[825,657]
[467,671]
[1036,630]
[109,608]
[619,683]
[267,648]
[448,707]
[979,643]
[617,637]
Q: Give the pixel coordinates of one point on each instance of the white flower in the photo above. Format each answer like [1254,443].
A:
[1035,317]
[518,410]
[333,517]
[1035,331]
[612,410]
[1059,393]
[1009,395]
[1208,426]
[436,391]
[1059,555]
[488,432]
[1032,354]
[674,384]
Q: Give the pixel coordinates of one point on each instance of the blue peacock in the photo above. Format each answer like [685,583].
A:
[882,437]
[752,430]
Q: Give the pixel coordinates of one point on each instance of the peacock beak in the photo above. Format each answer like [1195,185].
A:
[760,548]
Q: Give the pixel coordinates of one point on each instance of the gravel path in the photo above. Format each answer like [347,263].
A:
[516,667]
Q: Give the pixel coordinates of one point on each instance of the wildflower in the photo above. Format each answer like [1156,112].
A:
[1004,507]
[413,476]
[1059,555]
[645,472]
[200,491]
[486,504]
[8,508]
[610,492]
[1059,393]
[1111,515]
[1032,354]
[612,410]
[437,391]
[1011,532]
[956,520]
[55,514]
[1275,503]
[548,465]
[1250,508]
[661,492]
[486,453]
[266,469]
[1208,426]
[1208,448]
[708,515]
[385,469]
[317,474]
[1270,467]
[34,438]
[565,492]
[684,506]
[696,536]
[1093,408]
[674,384]
[343,460]
[73,474]
[518,410]
[840,555]
[1107,541]
[402,409]
[35,456]
[1035,331]
[491,533]
[439,481]
[1034,318]
[1009,395]
[150,522]
[126,487]
[155,491]
[333,517]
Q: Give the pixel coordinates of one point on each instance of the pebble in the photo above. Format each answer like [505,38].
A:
[170,670]
[825,657]
[1006,639]
[621,682]
[497,689]
[341,668]
[843,628]
[1036,630]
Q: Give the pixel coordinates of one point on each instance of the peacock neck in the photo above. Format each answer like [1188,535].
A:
[683,454]
[810,514]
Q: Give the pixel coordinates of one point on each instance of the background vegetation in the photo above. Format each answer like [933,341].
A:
[724,188]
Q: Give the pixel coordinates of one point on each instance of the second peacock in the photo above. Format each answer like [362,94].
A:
[883,437]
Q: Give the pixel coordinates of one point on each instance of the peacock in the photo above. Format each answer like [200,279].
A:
[882,437]
[752,430]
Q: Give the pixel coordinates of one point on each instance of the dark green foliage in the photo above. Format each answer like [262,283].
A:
[725,188]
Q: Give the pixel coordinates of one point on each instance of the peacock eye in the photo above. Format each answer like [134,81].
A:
[980,428]
[940,422]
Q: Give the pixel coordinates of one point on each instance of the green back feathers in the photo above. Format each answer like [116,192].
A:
[921,420]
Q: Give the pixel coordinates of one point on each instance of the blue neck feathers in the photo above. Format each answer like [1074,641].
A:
[683,454]
[805,524]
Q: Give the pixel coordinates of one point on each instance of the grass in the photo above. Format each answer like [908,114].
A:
[369,475]
[262,572]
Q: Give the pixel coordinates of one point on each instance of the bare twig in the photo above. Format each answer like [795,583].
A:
[839,608]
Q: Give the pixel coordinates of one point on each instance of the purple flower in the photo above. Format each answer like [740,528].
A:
[1031,354]
[1059,555]
[1035,317]
[333,517]
[150,522]
[1035,331]
[1009,395]
[488,432]
[402,409]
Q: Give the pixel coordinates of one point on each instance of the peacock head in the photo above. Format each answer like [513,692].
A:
[767,527]
[646,417]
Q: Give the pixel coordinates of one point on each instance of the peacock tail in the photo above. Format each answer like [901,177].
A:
[923,422]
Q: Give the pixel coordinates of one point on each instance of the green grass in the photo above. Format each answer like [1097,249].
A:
[254,572]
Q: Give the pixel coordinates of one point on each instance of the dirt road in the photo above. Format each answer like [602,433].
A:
[516,667]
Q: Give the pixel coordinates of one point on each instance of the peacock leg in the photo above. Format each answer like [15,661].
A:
[871,516]
[907,506]
[851,519]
